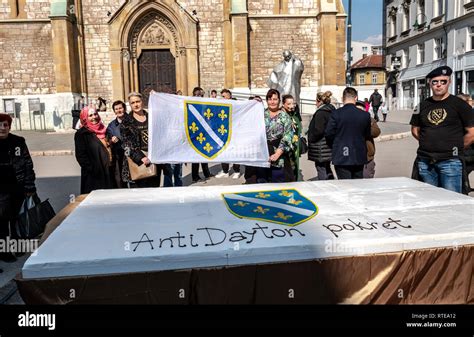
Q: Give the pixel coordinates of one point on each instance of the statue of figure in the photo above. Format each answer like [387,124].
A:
[286,76]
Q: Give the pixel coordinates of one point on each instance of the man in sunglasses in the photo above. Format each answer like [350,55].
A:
[444,126]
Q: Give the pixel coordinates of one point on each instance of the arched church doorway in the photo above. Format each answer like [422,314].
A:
[156,71]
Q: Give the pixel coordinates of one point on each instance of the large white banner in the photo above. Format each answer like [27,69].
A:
[186,129]
[132,230]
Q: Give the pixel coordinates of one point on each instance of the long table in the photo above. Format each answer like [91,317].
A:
[391,240]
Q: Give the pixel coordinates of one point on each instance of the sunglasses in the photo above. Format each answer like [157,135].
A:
[443,82]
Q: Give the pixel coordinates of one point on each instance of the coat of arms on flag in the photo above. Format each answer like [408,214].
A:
[286,207]
[208,127]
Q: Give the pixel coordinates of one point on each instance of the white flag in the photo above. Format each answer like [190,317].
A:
[186,129]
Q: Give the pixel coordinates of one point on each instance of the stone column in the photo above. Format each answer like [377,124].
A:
[240,47]
[332,67]
[65,53]
[228,59]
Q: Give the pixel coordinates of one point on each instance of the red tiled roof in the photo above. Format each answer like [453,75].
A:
[371,61]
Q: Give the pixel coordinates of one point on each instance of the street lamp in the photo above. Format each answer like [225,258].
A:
[421,25]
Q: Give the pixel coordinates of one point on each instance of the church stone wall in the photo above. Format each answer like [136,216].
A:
[303,7]
[96,33]
[26,59]
[211,42]
[4,9]
[37,9]
[270,36]
[261,7]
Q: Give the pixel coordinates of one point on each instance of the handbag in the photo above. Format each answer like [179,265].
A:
[33,217]
[303,145]
[142,171]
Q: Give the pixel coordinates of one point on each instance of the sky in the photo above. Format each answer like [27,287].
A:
[366,20]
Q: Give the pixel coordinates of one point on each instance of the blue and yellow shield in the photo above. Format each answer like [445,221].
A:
[285,207]
[208,127]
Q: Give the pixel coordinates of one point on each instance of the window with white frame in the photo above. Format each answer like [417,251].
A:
[374,78]
[393,21]
[420,56]
[405,59]
[438,7]
[406,19]
[420,9]
[361,79]
[438,48]
[459,8]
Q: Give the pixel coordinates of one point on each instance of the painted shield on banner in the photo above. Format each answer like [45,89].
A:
[208,127]
[285,207]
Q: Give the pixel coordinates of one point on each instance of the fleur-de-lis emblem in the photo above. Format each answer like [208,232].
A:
[241,204]
[261,210]
[222,130]
[282,216]
[222,115]
[201,138]
[294,202]
[193,127]
[208,148]
[208,114]
[262,195]
[285,194]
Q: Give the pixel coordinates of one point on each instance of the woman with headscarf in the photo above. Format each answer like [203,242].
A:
[93,152]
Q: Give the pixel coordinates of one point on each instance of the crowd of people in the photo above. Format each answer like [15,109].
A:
[342,138]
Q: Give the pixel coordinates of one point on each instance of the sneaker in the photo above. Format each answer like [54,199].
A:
[222,174]
[236,175]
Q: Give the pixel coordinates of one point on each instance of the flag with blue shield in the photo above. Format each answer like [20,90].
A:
[208,127]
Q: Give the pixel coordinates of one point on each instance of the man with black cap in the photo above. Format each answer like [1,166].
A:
[444,125]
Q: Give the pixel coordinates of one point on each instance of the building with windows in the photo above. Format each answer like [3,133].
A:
[368,74]
[362,49]
[54,51]
[420,35]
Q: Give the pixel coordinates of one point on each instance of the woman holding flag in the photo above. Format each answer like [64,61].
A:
[279,131]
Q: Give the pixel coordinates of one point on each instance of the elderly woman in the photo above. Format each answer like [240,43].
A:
[134,131]
[93,152]
[279,130]
[17,177]
[115,139]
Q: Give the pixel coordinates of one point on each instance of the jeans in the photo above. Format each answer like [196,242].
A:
[177,174]
[446,173]
[375,109]
[369,169]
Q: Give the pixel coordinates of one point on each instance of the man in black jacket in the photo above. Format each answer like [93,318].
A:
[376,101]
[17,177]
[347,130]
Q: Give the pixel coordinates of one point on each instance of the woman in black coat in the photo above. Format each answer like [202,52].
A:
[17,178]
[318,150]
[93,152]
